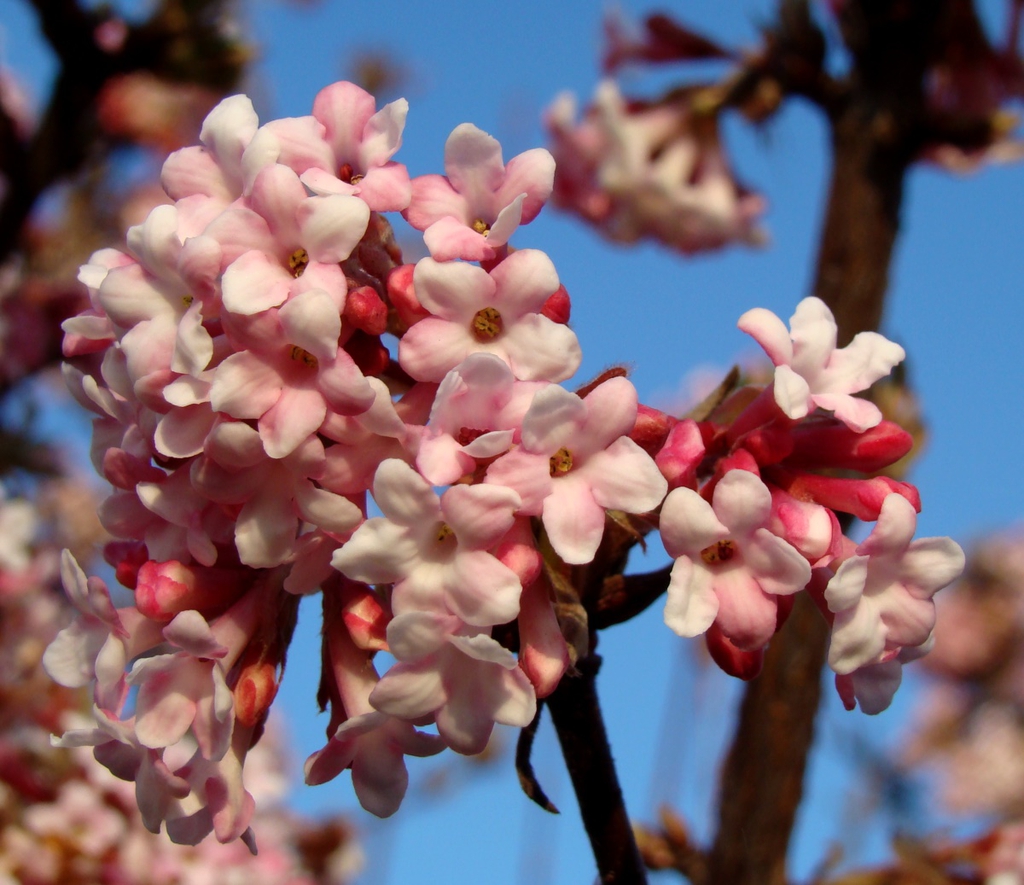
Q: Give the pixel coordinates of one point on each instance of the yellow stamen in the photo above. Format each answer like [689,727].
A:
[301,355]
[720,551]
[481,227]
[444,532]
[298,261]
[561,462]
[487,324]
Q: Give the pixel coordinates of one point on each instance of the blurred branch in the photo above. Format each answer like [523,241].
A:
[623,597]
[576,713]
[182,40]
[874,139]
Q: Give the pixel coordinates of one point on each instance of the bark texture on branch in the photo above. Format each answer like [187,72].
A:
[876,132]
[579,724]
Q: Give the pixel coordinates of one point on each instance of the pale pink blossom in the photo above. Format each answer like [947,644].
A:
[274,496]
[97,645]
[435,550]
[214,170]
[363,140]
[291,373]
[498,312]
[287,242]
[461,676]
[476,414]
[576,461]
[882,595]
[729,567]
[372,744]
[480,202]
[636,169]
[873,686]
[810,371]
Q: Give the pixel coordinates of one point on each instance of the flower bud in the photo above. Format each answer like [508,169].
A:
[365,310]
[164,589]
[860,497]
[681,455]
[744,665]
[831,444]
[651,429]
[558,306]
[403,296]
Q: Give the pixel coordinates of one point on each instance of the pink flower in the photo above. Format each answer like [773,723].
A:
[882,596]
[497,312]
[729,566]
[576,461]
[285,241]
[292,373]
[811,371]
[874,685]
[435,549]
[481,202]
[362,140]
[637,169]
[372,744]
[215,169]
[463,677]
[476,414]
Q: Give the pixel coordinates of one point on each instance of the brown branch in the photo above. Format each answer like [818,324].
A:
[624,596]
[579,724]
[875,136]
[179,40]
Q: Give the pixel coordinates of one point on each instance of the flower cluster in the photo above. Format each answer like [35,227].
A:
[968,723]
[262,365]
[639,169]
[65,817]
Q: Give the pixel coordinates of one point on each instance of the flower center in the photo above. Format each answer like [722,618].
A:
[481,227]
[349,175]
[487,324]
[561,462]
[720,551]
[301,355]
[466,435]
[187,300]
[297,261]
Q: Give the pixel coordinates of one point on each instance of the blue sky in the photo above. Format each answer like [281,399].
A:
[956,305]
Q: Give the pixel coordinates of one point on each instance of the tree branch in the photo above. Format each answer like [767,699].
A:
[579,724]
[875,136]
[623,597]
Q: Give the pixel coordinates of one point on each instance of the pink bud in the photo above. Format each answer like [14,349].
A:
[860,497]
[831,444]
[368,353]
[255,691]
[365,310]
[518,552]
[844,687]
[543,653]
[741,664]
[814,530]
[364,616]
[403,296]
[769,444]
[558,306]
[126,557]
[651,429]
[681,455]
[164,589]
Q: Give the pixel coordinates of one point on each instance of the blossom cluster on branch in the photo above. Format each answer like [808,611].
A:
[261,364]
[63,816]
